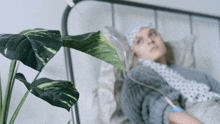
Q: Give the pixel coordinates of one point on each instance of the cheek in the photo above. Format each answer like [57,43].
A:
[164,49]
[161,44]
[142,52]
[142,48]
[158,54]
[145,49]
[161,52]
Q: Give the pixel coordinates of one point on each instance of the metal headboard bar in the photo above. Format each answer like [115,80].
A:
[191,24]
[156,16]
[155,7]
[219,28]
[64,31]
[69,66]
[113,15]
[191,32]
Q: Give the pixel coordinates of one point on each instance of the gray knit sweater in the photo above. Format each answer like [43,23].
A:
[146,106]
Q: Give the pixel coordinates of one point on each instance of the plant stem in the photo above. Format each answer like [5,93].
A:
[7,93]
[12,84]
[0,96]
[10,91]
[36,76]
[20,104]
[18,108]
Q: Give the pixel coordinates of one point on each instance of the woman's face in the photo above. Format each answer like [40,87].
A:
[149,45]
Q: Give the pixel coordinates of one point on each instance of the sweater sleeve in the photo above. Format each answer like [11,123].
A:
[214,84]
[143,105]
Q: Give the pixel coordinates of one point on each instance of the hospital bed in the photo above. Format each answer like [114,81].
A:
[197,33]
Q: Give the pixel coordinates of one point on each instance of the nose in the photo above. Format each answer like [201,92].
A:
[149,41]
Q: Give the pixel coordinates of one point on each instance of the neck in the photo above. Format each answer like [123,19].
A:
[162,60]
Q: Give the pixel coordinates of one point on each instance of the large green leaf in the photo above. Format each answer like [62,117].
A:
[97,45]
[33,48]
[56,92]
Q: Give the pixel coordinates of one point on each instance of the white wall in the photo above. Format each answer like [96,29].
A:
[202,6]
[88,17]
[25,14]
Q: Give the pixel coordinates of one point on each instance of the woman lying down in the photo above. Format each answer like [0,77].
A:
[195,93]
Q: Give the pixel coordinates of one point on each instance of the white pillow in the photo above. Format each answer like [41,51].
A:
[182,51]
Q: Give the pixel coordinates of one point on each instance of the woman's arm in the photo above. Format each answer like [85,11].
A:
[143,105]
[182,118]
[214,84]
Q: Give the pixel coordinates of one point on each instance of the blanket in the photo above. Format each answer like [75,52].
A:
[207,112]
[147,106]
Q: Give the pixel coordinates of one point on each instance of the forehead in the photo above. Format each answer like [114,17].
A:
[145,30]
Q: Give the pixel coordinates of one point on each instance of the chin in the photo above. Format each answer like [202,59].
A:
[157,57]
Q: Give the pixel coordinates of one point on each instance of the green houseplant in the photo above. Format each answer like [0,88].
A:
[34,48]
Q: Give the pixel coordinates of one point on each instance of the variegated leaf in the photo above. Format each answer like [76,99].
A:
[56,92]
[96,45]
[33,48]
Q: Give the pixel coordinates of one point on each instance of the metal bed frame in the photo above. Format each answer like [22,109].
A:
[67,54]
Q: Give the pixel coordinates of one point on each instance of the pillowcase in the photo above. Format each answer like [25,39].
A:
[120,44]
[181,52]
[107,95]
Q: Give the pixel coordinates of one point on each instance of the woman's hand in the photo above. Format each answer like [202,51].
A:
[182,118]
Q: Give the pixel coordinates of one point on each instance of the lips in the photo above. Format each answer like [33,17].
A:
[153,48]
